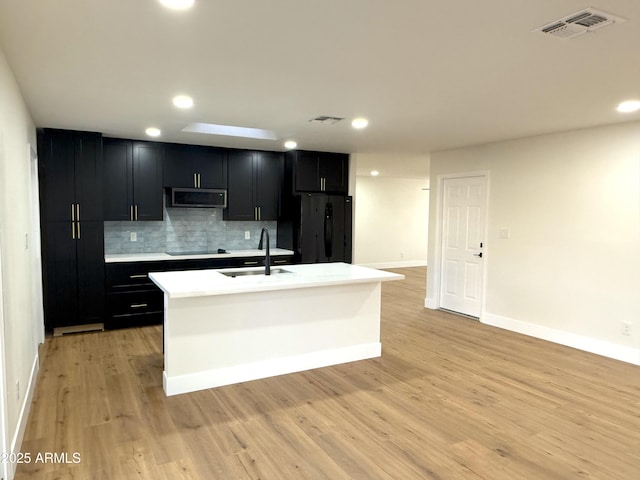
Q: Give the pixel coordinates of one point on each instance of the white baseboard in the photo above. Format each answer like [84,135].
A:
[580,342]
[403,264]
[25,408]
[430,303]
[218,377]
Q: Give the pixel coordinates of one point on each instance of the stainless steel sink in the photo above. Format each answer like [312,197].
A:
[245,273]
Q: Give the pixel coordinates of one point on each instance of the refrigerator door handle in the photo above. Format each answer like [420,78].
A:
[328,230]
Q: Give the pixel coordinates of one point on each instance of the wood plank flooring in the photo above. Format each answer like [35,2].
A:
[450,398]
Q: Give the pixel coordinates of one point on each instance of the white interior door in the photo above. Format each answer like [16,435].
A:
[463,226]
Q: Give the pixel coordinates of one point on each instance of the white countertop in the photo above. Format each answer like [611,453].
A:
[196,283]
[161,256]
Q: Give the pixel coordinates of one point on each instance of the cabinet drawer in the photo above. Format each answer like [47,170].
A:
[249,262]
[127,276]
[288,260]
[137,320]
[259,261]
[135,303]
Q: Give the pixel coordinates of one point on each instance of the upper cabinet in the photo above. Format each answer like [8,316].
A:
[192,166]
[317,172]
[71,171]
[132,180]
[254,183]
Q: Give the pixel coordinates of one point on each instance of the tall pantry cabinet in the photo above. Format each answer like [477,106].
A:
[71,215]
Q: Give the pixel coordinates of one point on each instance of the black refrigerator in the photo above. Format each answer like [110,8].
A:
[318,228]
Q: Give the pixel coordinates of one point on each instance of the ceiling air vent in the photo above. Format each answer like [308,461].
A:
[580,23]
[326,120]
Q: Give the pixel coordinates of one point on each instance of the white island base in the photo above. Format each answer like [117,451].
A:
[227,330]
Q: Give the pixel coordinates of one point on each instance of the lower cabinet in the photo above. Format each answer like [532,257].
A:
[132,298]
[130,309]
[73,273]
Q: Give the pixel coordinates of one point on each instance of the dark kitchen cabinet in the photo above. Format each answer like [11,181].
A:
[132,180]
[192,166]
[259,261]
[132,298]
[254,185]
[316,172]
[72,229]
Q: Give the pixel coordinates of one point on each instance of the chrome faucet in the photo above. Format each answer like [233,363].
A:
[267,259]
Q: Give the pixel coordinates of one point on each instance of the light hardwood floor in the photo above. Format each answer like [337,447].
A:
[450,398]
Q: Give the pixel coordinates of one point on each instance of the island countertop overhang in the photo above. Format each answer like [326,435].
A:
[196,283]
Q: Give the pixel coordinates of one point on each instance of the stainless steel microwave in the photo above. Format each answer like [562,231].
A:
[198,197]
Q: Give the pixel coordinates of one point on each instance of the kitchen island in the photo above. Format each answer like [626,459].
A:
[234,325]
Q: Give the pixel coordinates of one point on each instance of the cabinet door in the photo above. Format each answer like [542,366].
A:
[268,181]
[57,173]
[147,180]
[60,274]
[118,179]
[240,201]
[91,275]
[307,178]
[333,170]
[88,176]
[178,167]
[211,165]
[191,166]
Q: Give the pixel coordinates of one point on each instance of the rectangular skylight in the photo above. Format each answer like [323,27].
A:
[230,131]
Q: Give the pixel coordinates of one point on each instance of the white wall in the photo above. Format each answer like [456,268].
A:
[570,271]
[390,220]
[22,322]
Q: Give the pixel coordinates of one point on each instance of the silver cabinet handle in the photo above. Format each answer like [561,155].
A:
[195,180]
[78,225]
[136,209]
[73,230]
[73,213]
[78,212]
[250,263]
[277,262]
[199,181]
[139,305]
[259,213]
[131,212]
[144,275]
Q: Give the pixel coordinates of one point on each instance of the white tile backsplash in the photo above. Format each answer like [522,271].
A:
[184,230]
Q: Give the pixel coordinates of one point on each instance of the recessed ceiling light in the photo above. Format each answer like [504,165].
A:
[230,131]
[629,106]
[375,173]
[359,123]
[178,4]
[183,101]
[153,132]
[290,144]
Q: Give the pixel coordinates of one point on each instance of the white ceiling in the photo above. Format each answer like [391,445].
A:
[428,74]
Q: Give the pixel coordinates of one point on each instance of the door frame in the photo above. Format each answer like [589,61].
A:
[434,302]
